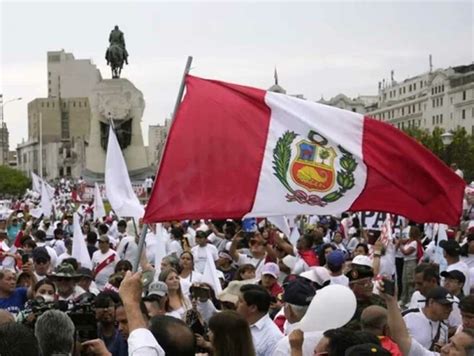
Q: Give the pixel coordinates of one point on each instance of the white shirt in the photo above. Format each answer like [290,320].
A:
[423,329]
[411,256]
[200,256]
[102,277]
[51,253]
[418,301]
[174,247]
[127,249]
[418,350]
[462,267]
[342,280]
[141,342]
[265,335]
[58,246]
[151,241]
[63,256]
[311,339]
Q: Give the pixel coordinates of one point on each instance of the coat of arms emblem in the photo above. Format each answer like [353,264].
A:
[313,169]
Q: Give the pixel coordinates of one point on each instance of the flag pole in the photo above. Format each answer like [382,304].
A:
[187,68]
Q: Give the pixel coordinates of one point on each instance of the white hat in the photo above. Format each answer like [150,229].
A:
[362,260]
[271,268]
[319,275]
[289,261]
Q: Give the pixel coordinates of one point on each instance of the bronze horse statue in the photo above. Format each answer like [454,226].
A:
[115,57]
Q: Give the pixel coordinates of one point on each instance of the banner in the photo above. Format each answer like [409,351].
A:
[374,221]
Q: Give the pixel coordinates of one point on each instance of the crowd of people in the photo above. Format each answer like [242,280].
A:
[412,287]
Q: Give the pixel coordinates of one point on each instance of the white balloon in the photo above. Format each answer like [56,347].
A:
[332,307]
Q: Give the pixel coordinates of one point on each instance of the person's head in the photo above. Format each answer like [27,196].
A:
[245,272]
[12,340]
[55,333]
[86,278]
[454,281]
[305,242]
[116,27]
[439,304]
[173,335]
[336,342]
[297,296]
[467,311]
[28,245]
[91,238]
[426,277]
[86,228]
[65,278]
[41,261]
[104,308]
[155,301]
[360,281]
[40,235]
[123,266]
[7,281]
[104,243]
[122,226]
[230,334]
[224,260]
[186,261]
[451,249]
[415,233]
[103,229]
[169,262]
[270,273]
[122,321]
[325,250]
[337,238]
[45,289]
[470,243]
[361,249]
[374,320]
[201,238]
[254,302]
[23,280]
[177,233]
[460,344]
[335,261]
[171,278]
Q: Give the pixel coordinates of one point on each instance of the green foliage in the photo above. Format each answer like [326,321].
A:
[460,151]
[12,182]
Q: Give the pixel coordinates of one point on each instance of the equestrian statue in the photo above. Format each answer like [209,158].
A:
[117,53]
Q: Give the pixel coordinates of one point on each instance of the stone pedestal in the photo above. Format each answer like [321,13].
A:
[120,100]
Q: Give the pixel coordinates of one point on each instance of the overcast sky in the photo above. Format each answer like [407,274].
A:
[319,48]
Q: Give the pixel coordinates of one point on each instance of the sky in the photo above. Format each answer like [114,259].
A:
[320,48]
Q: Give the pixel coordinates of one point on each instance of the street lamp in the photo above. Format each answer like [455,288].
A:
[447,138]
[3,128]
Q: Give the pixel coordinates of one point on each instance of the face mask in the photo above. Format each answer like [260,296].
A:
[47,297]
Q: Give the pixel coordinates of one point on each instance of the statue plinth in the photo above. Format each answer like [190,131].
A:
[121,101]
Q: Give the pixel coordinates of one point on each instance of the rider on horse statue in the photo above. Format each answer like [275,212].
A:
[116,37]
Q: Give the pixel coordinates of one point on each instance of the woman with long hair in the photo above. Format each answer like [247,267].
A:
[230,335]
[187,274]
[177,303]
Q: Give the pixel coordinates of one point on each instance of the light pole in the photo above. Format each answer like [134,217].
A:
[3,128]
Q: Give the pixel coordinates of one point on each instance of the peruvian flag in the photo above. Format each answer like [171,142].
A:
[235,151]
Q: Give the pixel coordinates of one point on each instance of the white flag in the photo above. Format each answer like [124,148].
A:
[160,247]
[99,210]
[295,235]
[46,201]
[118,187]
[439,256]
[36,182]
[79,248]
[210,274]
[281,222]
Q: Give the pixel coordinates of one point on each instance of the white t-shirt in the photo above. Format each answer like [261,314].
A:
[341,280]
[58,246]
[411,256]
[418,350]
[257,262]
[418,301]
[62,257]
[423,329]
[200,255]
[102,277]
[311,339]
[151,241]
[127,249]
[174,247]
[462,267]
[51,253]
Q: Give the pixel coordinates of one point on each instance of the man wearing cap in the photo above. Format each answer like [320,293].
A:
[454,282]
[297,296]
[202,251]
[334,263]
[426,325]
[40,237]
[361,282]
[155,301]
[103,261]
[451,252]
[86,281]
[66,280]
[269,279]
[226,265]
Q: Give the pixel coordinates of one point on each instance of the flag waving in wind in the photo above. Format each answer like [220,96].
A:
[236,151]
[99,209]
[118,187]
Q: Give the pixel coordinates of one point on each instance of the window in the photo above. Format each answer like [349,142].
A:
[464,95]
[49,81]
[49,74]
[413,108]
[419,123]
[61,171]
[85,104]
[442,88]
[409,87]
[421,84]
[64,124]
[80,105]
[42,105]
[400,91]
[472,112]
[419,107]
[52,104]
[47,104]
[409,109]
[403,111]
[74,104]
[404,91]
[414,86]
[433,120]
[463,114]
[68,170]
[441,119]
[433,102]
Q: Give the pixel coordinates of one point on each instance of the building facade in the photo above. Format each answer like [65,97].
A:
[442,98]
[361,104]
[156,141]
[4,143]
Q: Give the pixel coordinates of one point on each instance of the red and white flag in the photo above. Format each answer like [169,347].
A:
[235,151]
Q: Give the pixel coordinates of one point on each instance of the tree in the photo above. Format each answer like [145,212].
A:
[12,182]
